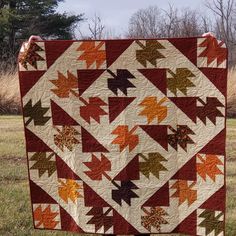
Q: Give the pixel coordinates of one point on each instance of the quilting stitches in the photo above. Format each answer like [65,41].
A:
[125,139]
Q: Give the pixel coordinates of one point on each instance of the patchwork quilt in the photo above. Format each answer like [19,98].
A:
[126,136]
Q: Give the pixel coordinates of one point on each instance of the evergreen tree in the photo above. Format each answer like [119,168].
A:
[21,18]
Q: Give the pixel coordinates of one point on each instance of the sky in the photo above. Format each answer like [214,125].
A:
[115,14]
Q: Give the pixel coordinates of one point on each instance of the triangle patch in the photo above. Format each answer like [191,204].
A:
[34,143]
[54,49]
[216,201]
[159,198]
[216,145]
[68,223]
[157,77]
[64,171]
[114,48]
[89,143]
[188,171]
[86,78]
[188,47]
[131,171]
[117,105]
[217,77]
[188,225]
[28,79]
[183,103]
[38,195]
[122,225]
[158,133]
[60,117]
[92,199]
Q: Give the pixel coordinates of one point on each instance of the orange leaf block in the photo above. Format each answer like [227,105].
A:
[69,190]
[92,53]
[184,191]
[65,85]
[125,137]
[154,109]
[45,218]
[209,166]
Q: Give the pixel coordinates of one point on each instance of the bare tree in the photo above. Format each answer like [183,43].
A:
[110,33]
[155,22]
[224,11]
[170,22]
[96,28]
[207,24]
[145,23]
[190,23]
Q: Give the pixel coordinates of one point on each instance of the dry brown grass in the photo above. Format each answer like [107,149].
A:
[10,94]
[231,112]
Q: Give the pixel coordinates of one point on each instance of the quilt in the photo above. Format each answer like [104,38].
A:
[126,136]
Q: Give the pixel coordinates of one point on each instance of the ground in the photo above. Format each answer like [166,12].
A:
[15,210]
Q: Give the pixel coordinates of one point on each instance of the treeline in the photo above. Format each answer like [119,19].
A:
[21,18]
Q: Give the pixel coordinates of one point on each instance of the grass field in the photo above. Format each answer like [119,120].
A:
[15,210]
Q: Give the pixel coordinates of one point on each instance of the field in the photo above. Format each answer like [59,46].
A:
[15,210]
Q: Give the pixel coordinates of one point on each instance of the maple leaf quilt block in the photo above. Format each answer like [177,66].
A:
[126,136]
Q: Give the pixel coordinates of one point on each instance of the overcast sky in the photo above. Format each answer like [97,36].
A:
[116,13]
